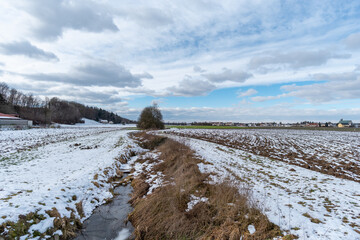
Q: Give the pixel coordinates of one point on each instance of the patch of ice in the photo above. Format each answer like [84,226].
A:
[251,229]
[123,234]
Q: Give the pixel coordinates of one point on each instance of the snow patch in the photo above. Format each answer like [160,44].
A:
[195,200]
[251,229]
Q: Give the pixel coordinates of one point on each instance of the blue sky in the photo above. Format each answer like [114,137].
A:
[199,60]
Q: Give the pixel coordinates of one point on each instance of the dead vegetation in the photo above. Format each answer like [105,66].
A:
[68,225]
[165,214]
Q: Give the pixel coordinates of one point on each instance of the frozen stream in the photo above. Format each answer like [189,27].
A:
[108,221]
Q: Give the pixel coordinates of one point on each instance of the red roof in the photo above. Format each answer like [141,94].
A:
[8,116]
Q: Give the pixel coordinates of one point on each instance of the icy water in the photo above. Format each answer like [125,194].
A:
[108,221]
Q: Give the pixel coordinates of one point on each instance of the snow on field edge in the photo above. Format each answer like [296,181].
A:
[61,175]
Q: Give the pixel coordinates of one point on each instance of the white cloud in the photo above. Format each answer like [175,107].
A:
[147,16]
[353,41]
[325,92]
[295,60]
[247,93]
[228,75]
[93,74]
[342,76]
[57,15]
[144,75]
[199,69]
[191,87]
[27,49]
[265,98]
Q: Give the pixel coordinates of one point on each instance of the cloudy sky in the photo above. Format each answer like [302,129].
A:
[228,60]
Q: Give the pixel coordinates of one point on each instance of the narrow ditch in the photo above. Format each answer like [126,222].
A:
[109,221]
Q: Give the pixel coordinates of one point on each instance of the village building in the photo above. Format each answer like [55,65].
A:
[344,123]
[10,121]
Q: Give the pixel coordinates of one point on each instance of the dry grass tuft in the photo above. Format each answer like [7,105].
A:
[79,209]
[140,188]
[148,141]
[164,214]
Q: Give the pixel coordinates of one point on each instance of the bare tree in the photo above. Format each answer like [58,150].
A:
[151,118]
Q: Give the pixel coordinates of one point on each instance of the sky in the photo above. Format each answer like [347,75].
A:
[230,60]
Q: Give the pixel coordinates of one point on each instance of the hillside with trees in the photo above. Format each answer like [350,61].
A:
[28,106]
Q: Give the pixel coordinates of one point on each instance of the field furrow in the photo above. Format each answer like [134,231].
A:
[329,152]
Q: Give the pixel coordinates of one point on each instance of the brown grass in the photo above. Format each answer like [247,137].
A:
[148,141]
[163,215]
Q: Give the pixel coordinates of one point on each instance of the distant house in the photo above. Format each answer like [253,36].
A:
[104,121]
[10,121]
[344,123]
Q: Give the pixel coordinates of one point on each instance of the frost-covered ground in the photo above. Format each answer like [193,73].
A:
[332,152]
[72,168]
[13,142]
[307,203]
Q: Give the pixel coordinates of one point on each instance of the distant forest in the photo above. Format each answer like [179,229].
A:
[46,111]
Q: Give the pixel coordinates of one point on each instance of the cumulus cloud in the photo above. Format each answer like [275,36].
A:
[191,87]
[247,93]
[353,41]
[27,49]
[92,74]
[57,15]
[294,59]
[227,75]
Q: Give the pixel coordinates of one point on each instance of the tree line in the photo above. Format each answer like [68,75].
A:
[30,107]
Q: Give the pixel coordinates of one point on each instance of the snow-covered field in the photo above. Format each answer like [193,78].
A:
[307,203]
[45,168]
[13,142]
[332,152]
